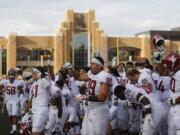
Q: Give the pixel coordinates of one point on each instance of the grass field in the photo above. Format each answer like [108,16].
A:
[4,123]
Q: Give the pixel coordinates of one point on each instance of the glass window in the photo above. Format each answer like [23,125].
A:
[35,54]
[124,53]
[3,61]
[79,51]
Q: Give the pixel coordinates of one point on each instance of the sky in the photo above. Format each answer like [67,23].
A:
[116,17]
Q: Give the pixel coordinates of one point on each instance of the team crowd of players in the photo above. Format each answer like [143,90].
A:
[130,99]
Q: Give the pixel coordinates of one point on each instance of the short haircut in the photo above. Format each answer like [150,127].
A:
[132,72]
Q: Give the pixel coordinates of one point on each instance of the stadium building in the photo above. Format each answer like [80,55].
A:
[77,40]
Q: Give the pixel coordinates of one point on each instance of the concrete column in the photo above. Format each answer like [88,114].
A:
[69,15]
[58,52]
[117,49]
[91,18]
[105,48]
[42,61]
[65,45]
[0,61]
[11,51]
[168,46]
[146,50]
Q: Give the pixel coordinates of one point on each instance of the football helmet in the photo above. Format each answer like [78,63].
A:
[172,61]
[158,42]
[11,75]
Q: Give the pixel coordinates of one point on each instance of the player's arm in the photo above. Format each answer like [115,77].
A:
[21,90]
[29,103]
[58,102]
[145,102]
[76,75]
[102,96]
[83,77]
[174,101]
[178,100]
[1,87]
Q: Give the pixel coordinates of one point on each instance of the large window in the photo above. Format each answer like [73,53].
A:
[4,65]
[34,54]
[79,51]
[125,53]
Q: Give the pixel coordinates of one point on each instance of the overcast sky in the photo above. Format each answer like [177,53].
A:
[116,17]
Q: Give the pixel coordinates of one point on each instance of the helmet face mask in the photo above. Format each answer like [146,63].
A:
[11,75]
[11,78]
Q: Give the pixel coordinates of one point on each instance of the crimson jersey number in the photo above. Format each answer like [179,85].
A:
[92,86]
[11,90]
[35,90]
[173,85]
[161,86]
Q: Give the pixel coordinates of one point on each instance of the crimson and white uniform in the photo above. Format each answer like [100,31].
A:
[73,105]
[11,96]
[24,99]
[131,93]
[119,115]
[146,77]
[55,92]
[97,113]
[40,91]
[164,89]
[174,113]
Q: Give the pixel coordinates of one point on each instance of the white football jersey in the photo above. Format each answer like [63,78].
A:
[11,90]
[55,92]
[175,84]
[27,90]
[41,93]
[132,91]
[146,77]
[66,95]
[164,87]
[122,75]
[94,84]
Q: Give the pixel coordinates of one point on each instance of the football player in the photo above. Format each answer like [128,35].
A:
[119,115]
[172,61]
[12,88]
[55,110]
[39,97]
[152,117]
[98,90]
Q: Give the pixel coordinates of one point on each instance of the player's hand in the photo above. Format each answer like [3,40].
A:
[80,97]
[149,120]
[58,120]
[171,101]
[128,104]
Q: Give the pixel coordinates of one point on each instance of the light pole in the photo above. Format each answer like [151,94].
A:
[49,63]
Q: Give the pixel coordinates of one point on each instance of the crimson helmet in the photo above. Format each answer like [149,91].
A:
[172,61]
[11,75]
[158,42]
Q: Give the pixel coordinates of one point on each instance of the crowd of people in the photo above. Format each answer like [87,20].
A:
[130,99]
